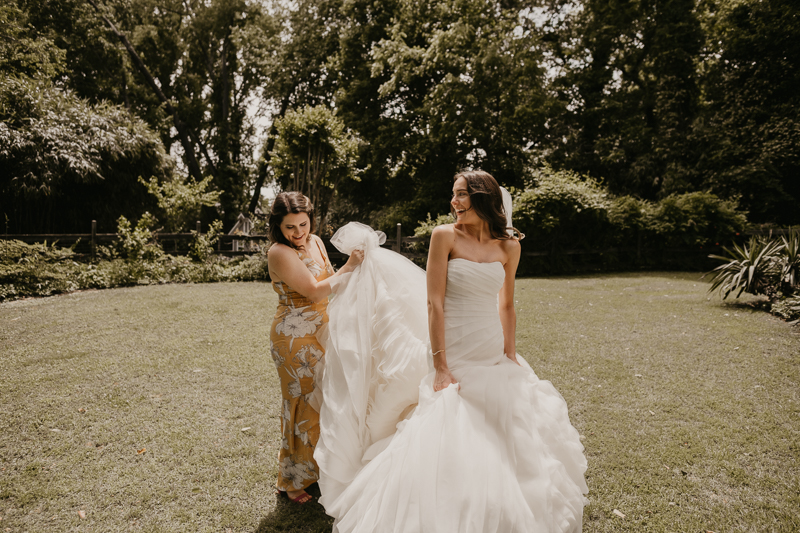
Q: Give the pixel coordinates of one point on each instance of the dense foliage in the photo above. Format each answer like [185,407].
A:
[315,155]
[573,223]
[661,98]
[652,99]
[768,266]
[66,161]
[561,211]
[180,202]
[47,269]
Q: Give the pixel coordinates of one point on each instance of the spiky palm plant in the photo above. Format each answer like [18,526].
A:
[751,268]
[790,262]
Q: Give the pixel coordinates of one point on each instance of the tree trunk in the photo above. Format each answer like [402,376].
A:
[273,132]
[187,137]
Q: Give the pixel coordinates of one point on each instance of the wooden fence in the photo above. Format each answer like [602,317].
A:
[232,245]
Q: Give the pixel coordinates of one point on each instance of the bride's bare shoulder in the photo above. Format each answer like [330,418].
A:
[443,239]
[510,245]
[444,231]
[511,248]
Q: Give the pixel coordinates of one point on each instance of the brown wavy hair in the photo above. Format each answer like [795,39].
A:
[285,203]
[487,200]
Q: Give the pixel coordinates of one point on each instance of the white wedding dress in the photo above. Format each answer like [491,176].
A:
[498,455]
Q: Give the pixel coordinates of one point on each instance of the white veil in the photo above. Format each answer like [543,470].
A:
[507,207]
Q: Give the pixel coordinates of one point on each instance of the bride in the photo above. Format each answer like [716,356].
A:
[441,426]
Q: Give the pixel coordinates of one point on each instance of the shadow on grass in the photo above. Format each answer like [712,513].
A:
[292,518]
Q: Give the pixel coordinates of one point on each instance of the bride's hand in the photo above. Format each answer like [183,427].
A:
[443,379]
[513,358]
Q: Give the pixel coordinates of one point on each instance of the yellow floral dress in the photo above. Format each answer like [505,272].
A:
[296,352]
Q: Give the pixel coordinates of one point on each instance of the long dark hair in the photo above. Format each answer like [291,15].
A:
[285,203]
[487,201]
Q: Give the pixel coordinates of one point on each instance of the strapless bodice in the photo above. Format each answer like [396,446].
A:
[473,332]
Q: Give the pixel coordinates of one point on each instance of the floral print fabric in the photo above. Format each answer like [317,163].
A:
[296,352]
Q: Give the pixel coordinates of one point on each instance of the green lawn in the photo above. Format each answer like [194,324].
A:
[132,405]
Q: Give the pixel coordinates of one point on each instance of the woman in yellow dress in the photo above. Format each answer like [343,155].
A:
[303,277]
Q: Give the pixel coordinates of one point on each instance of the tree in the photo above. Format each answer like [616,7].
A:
[454,84]
[629,93]
[197,71]
[751,125]
[314,154]
[66,161]
[297,70]
[23,53]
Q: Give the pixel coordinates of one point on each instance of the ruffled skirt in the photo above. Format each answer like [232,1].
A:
[498,455]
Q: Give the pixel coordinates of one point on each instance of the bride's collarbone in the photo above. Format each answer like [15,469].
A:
[479,259]
[484,254]
[472,249]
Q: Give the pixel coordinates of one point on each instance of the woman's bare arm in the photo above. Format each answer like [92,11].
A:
[442,240]
[508,314]
[285,265]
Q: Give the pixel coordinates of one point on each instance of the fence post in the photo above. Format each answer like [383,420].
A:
[94,240]
[399,244]
[198,227]
[638,247]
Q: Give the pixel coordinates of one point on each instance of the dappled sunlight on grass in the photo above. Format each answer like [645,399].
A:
[156,408]
[688,405]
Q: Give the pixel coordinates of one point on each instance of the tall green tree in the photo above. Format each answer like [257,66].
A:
[629,92]
[459,83]
[297,71]
[314,154]
[23,51]
[63,160]
[750,133]
[200,57]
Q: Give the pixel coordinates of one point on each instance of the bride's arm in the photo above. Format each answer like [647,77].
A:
[438,254]
[285,265]
[508,315]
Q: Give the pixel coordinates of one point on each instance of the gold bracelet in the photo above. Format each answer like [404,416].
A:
[440,351]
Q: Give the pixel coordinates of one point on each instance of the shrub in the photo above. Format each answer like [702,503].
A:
[181,201]
[789,262]
[35,269]
[562,208]
[138,243]
[696,219]
[787,309]
[250,268]
[425,227]
[628,214]
[43,270]
[202,246]
[559,211]
[751,268]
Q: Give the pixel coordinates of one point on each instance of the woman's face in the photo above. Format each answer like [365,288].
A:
[295,227]
[462,205]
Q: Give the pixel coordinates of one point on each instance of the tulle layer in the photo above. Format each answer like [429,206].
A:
[498,455]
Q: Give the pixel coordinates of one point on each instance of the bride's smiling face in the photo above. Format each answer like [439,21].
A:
[295,227]
[461,203]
